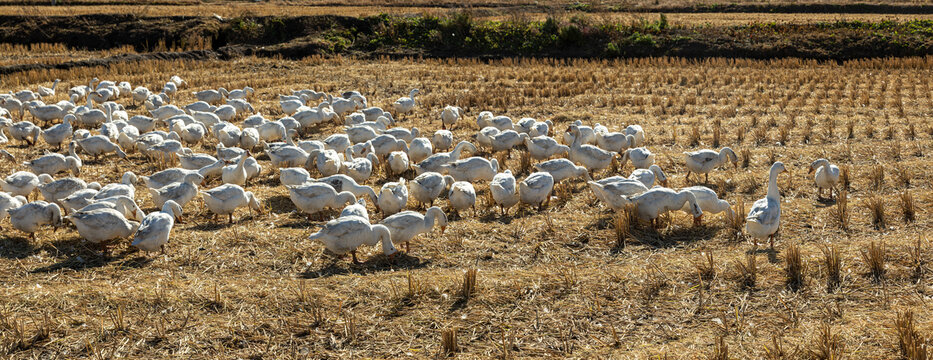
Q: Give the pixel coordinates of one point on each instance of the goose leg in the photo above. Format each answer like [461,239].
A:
[355,260]
[707,178]
[771,240]
[231,218]
[687,178]
[406,247]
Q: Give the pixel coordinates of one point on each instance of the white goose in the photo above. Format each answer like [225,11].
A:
[638,133]
[328,162]
[827,176]
[504,191]
[99,145]
[650,175]
[393,197]
[472,169]
[29,217]
[450,115]
[561,169]
[405,225]
[156,228]
[586,135]
[641,158]
[536,189]
[614,141]
[419,149]
[341,183]
[506,140]
[59,134]
[8,202]
[704,161]
[484,136]
[53,164]
[360,169]
[78,200]
[102,224]
[398,162]
[708,201]
[122,203]
[356,209]
[591,157]
[55,191]
[235,174]
[24,131]
[20,183]
[442,140]
[47,92]
[312,198]
[225,199]
[180,193]
[428,186]
[126,187]
[764,218]
[650,204]
[346,234]
[615,193]
[405,104]
[434,162]
[171,176]
[462,196]
[294,176]
[543,147]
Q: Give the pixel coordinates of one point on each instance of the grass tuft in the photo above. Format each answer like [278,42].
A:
[449,342]
[908,207]
[875,205]
[706,267]
[720,350]
[826,345]
[832,265]
[874,258]
[910,341]
[747,272]
[794,268]
[468,286]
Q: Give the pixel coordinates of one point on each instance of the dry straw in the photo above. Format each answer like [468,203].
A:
[832,267]
[910,341]
[794,268]
[874,258]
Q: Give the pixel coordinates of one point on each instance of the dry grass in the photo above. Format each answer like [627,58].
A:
[747,272]
[840,212]
[832,267]
[449,342]
[875,206]
[908,207]
[874,258]
[720,351]
[912,343]
[826,345]
[215,295]
[794,268]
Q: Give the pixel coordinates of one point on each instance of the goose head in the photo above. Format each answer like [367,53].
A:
[55,214]
[172,209]
[661,176]
[344,198]
[818,164]
[253,203]
[382,232]
[129,178]
[728,153]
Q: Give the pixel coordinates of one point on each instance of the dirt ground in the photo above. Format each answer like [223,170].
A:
[548,283]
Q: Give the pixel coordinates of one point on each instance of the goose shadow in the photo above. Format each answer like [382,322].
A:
[674,237]
[825,202]
[78,256]
[16,247]
[771,253]
[373,264]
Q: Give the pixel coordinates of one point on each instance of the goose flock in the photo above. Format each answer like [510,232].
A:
[208,149]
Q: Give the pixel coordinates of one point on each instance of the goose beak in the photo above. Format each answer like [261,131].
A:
[810,171]
[443,228]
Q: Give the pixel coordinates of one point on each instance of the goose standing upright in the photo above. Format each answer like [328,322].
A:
[764,218]
[428,186]
[346,234]
[155,228]
[536,189]
[405,104]
[504,192]
[704,161]
[312,198]
[46,92]
[450,115]
[591,157]
[404,226]
[827,176]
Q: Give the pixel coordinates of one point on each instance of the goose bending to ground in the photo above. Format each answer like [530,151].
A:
[704,161]
[536,189]
[614,141]
[98,145]
[472,169]
[312,198]
[29,217]
[55,191]
[24,131]
[20,183]
[195,161]
[591,157]
[649,176]
[483,137]
[434,162]
[543,147]
[561,169]
[122,203]
[404,226]
[393,197]
[341,183]
[506,140]
[419,149]
[615,193]
[650,204]
[328,162]
[171,176]
[180,193]
[764,218]
[78,200]
[428,186]
[641,158]
[827,176]
[638,132]
[156,228]
[405,104]
[225,199]
[294,176]
[126,187]
[450,115]
[346,234]
[52,164]
[8,202]
[102,225]
[209,96]
[504,191]
[462,196]
[708,201]
[357,209]
[360,169]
